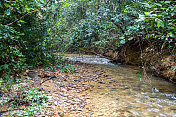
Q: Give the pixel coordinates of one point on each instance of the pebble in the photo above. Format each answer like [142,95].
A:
[70,97]
[61,114]
[80,109]
[126,87]
[100,114]
[63,90]
[82,106]
[101,82]
[65,95]
[53,76]
[56,103]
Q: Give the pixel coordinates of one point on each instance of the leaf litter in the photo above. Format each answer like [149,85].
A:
[67,92]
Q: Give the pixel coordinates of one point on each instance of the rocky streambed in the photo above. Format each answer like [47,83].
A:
[117,91]
[99,88]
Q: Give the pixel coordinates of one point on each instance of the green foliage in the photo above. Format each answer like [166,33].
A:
[93,24]
[11,58]
[139,74]
[32,100]
[173,68]
[159,20]
[31,31]
[27,35]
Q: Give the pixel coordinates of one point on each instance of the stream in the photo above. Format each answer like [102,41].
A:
[123,94]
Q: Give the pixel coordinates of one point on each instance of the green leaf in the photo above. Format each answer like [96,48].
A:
[141,18]
[167,2]
[1,81]
[160,23]
[6,5]
[7,12]
[147,19]
[173,68]
[171,35]
[157,4]
[1,5]
[21,34]
[5,66]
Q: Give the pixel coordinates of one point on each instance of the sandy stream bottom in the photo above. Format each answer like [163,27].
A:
[109,91]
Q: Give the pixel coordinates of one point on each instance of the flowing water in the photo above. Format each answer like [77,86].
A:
[123,94]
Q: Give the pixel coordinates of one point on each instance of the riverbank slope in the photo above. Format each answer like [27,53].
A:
[151,57]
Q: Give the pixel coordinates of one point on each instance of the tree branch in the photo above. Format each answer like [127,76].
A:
[27,14]
[118,26]
[21,18]
[46,3]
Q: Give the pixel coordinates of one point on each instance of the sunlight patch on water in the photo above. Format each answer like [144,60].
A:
[92,59]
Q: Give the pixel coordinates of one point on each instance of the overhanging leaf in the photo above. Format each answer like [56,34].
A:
[6,5]
[157,4]
[160,23]
[167,2]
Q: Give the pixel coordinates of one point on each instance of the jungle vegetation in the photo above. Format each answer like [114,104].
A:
[33,31]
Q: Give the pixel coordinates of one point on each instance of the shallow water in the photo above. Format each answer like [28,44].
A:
[122,93]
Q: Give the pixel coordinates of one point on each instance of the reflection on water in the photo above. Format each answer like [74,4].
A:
[124,94]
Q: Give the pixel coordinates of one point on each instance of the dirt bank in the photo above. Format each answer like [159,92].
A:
[151,56]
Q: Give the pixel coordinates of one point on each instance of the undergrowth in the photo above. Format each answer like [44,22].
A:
[22,100]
